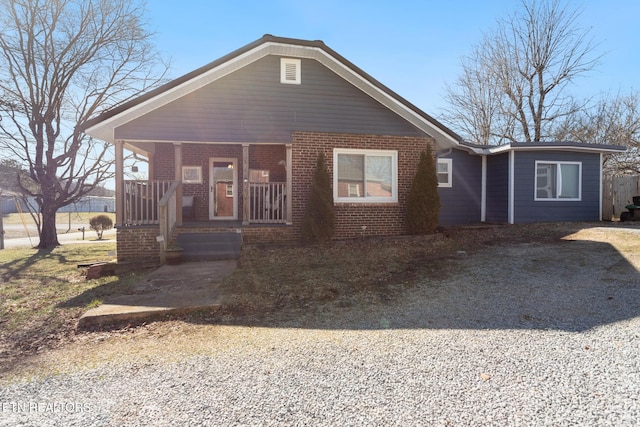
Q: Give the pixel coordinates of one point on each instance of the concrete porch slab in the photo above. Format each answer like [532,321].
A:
[170,289]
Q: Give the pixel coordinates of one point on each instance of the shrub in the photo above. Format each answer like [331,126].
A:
[100,223]
[318,222]
[423,201]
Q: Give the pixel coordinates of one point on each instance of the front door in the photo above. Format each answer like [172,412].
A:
[223,189]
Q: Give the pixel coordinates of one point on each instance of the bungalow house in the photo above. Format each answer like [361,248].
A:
[232,146]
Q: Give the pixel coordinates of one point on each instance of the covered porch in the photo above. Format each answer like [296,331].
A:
[204,186]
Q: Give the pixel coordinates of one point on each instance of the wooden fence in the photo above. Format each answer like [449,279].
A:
[617,192]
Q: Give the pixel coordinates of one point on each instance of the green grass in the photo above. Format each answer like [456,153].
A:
[42,293]
[14,227]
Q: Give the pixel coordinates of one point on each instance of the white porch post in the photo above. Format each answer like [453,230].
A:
[177,155]
[245,184]
[119,146]
[151,173]
[289,192]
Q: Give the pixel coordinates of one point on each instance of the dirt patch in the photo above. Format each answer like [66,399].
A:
[367,271]
[284,281]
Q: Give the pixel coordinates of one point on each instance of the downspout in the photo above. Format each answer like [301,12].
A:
[600,187]
[483,193]
[511,186]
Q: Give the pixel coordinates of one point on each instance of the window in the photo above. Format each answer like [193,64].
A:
[365,176]
[558,181]
[444,172]
[229,190]
[290,71]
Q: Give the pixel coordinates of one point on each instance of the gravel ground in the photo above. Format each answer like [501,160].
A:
[522,334]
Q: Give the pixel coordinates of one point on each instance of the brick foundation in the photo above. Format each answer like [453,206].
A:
[266,234]
[138,244]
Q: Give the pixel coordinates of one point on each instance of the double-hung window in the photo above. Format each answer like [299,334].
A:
[444,171]
[365,176]
[558,181]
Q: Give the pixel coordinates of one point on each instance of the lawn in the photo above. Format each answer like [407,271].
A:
[42,293]
[65,221]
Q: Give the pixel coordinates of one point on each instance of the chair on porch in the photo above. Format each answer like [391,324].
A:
[188,208]
[274,204]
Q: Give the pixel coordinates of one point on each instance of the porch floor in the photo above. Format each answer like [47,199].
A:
[226,224]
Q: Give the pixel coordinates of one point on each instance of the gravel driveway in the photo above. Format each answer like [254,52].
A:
[522,334]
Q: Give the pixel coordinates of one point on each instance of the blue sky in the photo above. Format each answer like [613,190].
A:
[413,47]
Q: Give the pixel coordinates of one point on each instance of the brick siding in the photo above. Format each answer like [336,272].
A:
[263,157]
[138,244]
[355,219]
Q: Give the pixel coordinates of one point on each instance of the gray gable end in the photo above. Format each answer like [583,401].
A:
[252,105]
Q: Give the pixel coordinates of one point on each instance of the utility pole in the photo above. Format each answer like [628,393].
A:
[1,224]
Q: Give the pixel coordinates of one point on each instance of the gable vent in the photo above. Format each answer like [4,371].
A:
[290,71]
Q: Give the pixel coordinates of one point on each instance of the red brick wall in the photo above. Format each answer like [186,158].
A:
[138,244]
[264,157]
[355,219]
[268,157]
[163,162]
[352,219]
[266,234]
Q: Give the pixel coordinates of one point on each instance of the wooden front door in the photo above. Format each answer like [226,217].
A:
[223,189]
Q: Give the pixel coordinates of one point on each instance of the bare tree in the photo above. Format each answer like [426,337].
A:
[476,103]
[514,86]
[611,120]
[61,62]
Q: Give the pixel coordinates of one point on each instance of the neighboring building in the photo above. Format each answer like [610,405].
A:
[239,138]
[86,204]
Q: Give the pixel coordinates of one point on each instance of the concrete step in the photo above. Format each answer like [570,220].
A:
[210,246]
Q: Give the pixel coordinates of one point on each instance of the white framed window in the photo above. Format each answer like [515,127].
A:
[365,176]
[558,181]
[445,172]
[290,71]
[229,190]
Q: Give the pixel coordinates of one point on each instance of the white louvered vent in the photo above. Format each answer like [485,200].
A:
[290,71]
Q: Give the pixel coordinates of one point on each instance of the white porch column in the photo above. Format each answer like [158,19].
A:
[177,155]
[119,146]
[245,184]
[289,193]
[151,173]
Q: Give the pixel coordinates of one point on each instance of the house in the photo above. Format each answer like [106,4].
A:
[232,146]
[522,182]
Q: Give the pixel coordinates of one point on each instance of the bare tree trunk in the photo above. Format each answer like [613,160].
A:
[48,234]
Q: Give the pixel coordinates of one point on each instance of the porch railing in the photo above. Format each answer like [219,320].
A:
[267,202]
[167,214]
[141,200]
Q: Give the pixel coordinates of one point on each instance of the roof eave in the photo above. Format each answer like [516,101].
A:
[597,148]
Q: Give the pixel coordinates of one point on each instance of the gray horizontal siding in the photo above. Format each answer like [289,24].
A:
[498,188]
[460,203]
[251,105]
[526,209]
